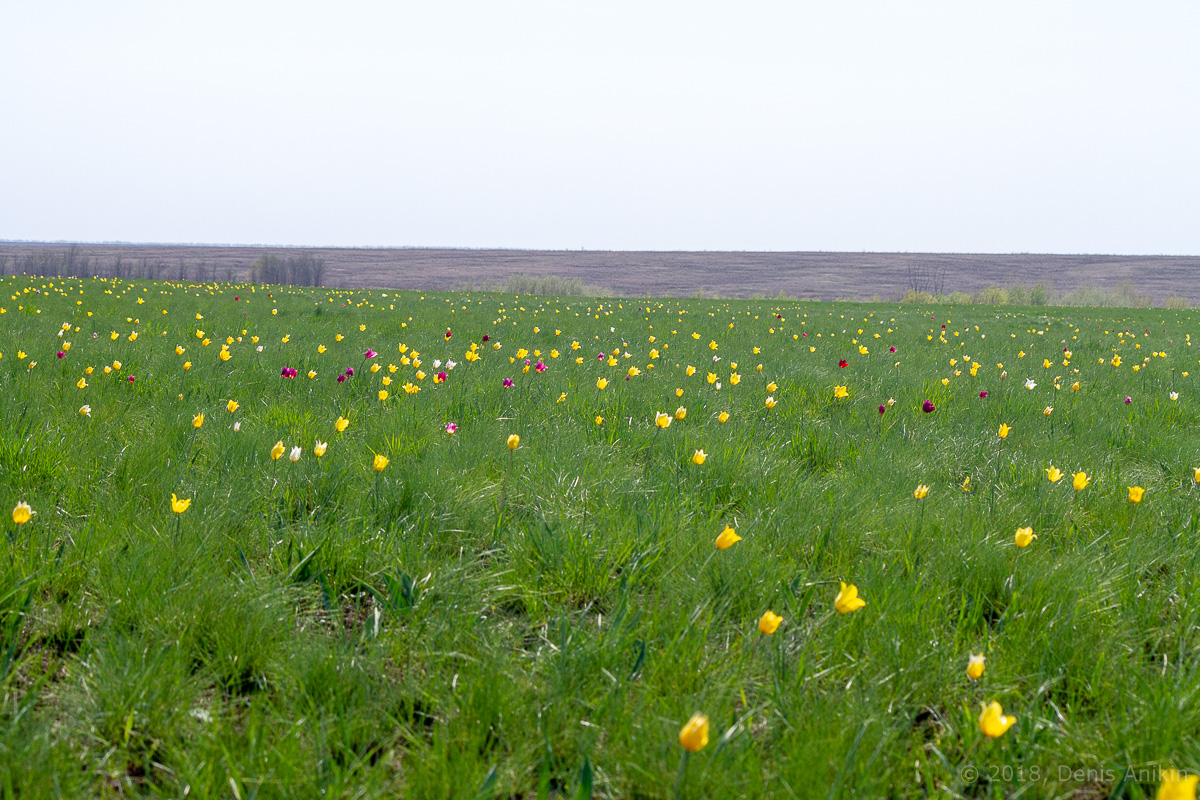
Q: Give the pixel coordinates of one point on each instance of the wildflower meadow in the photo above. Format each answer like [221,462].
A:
[282,542]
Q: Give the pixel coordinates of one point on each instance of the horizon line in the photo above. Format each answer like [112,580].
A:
[123,243]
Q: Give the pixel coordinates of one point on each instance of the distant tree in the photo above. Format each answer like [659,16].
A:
[300,270]
[926,278]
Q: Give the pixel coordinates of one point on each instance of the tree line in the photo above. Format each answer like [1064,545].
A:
[303,269]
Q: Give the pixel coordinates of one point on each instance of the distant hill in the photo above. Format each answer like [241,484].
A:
[825,276]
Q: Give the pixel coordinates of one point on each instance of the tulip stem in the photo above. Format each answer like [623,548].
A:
[504,492]
[999,458]
[183,467]
[1012,578]
[683,762]
[653,442]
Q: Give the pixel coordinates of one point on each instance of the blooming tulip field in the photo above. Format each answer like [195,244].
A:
[281,542]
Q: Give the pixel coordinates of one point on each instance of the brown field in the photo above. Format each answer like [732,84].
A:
[825,276]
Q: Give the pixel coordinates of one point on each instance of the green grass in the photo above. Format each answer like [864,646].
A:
[474,622]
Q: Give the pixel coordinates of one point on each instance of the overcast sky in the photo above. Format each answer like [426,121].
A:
[916,126]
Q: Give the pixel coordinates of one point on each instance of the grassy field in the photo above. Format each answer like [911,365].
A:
[426,613]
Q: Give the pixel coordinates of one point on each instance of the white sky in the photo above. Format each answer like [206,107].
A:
[837,125]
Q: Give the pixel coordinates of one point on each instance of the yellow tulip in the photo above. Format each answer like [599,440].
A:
[712,377]
[1054,474]
[320,448]
[277,450]
[380,462]
[1004,429]
[662,420]
[966,484]
[603,382]
[513,441]
[1135,494]
[198,420]
[1175,786]
[690,371]
[1024,536]
[232,405]
[1080,480]
[723,416]
[847,599]
[341,424]
[771,387]
[599,420]
[992,721]
[383,394]
[770,402]
[920,491]
[179,506]
[680,412]
[840,392]
[699,457]
[1196,470]
[82,384]
[975,667]
[693,737]
[728,538]
[768,623]
[22,513]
